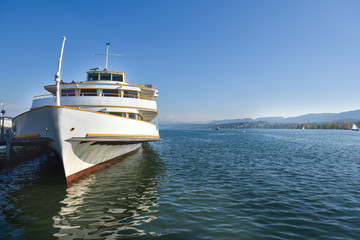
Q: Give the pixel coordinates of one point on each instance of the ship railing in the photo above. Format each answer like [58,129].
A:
[96,94]
[126,96]
[44,96]
[108,95]
[141,85]
[121,83]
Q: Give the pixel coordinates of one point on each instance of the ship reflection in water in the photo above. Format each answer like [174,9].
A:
[115,202]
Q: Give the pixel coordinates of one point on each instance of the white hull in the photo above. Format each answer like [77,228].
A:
[85,140]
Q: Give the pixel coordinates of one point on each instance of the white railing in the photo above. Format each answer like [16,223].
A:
[43,96]
[96,94]
[96,101]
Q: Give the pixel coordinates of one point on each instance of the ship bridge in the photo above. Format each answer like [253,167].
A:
[106,76]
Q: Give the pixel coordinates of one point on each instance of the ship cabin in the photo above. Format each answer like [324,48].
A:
[108,92]
[106,76]
[109,82]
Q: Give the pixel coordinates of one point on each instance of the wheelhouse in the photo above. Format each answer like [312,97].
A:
[106,76]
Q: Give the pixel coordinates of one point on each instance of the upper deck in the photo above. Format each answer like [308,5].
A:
[104,80]
[102,88]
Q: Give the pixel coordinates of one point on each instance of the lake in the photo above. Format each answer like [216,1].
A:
[195,184]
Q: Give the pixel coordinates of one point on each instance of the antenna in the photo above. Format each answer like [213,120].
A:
[94,69]
[107,54]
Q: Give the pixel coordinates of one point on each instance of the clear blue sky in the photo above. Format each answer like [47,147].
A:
[210,59]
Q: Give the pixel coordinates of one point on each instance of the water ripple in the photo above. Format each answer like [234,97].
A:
[198,184]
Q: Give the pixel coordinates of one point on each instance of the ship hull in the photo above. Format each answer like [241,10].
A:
[85,140]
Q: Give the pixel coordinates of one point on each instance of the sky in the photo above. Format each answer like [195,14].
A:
[210,59]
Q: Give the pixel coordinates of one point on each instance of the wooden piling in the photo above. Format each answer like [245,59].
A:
[8,145]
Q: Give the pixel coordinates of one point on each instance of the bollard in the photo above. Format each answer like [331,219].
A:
[8,145]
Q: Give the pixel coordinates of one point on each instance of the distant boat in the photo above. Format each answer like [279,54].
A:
[217,128]
[354,128]
[303,128]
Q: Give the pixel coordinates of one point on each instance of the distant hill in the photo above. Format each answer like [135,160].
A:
[183,125]
[307,118]
[263,119]
[350,116]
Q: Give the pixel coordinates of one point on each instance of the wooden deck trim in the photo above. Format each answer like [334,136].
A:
[119,135]
[115,139]
[29,136]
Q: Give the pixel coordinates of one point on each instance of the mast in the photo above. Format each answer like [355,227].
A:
[107,54]
[57,75]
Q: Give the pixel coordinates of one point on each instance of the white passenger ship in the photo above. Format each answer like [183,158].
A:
[98,121]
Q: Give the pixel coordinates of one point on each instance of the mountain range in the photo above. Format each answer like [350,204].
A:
[349,116]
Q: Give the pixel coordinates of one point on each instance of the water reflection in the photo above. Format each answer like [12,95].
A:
[30,194]
[116,202]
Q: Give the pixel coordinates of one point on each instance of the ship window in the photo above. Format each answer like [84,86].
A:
[118,78]
[121,114]
[68,92]
[93,77]
[110,92]
[130,94]
[105,76]
[88,92]
[132,115]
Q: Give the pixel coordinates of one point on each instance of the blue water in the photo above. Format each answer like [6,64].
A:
[196,184]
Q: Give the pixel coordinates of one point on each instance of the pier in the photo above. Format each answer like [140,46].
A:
[8,140]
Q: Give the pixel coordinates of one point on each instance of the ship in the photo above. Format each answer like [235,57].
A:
[91,123]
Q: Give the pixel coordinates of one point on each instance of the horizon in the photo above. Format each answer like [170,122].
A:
[250,59]
[230,119]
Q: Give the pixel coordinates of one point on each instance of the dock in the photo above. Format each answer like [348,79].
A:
[8,140]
